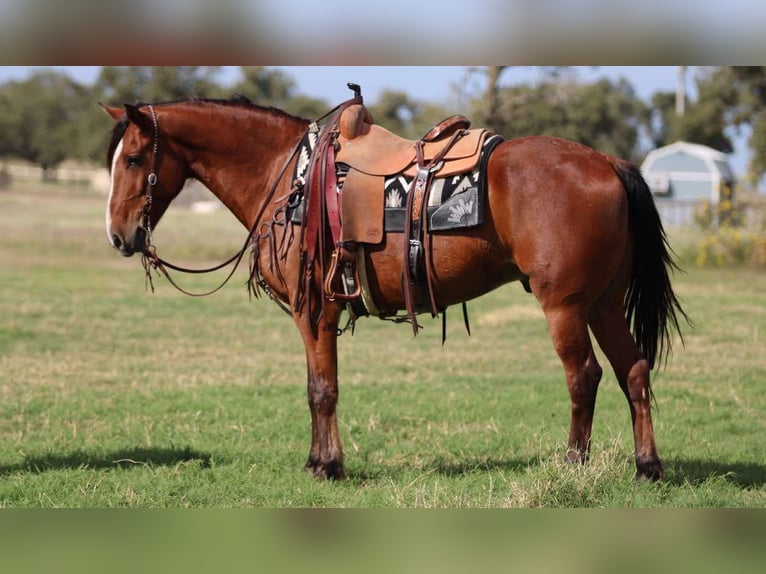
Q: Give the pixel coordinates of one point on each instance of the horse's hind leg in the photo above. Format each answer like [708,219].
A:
[326,455]
[607,320]
[568,328]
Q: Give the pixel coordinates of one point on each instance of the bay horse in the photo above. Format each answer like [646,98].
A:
[579,228]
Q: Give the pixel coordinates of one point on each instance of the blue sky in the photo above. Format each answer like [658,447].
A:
[421,82]
[436,83]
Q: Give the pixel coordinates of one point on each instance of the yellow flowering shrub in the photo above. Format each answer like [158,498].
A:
[731,239]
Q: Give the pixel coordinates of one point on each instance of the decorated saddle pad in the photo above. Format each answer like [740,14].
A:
[454,202]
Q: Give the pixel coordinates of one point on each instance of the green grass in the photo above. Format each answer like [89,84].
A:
[114,397]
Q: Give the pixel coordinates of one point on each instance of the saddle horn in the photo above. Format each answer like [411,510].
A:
[356,88]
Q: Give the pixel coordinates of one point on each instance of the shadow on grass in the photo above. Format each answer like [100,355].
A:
[678,472]
[483,465]
[745,474]
[110,460]
[444,468]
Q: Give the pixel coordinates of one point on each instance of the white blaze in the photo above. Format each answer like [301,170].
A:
[117,153]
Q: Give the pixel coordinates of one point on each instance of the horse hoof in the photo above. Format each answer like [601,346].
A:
[649,469]
[332,470]
[575,457]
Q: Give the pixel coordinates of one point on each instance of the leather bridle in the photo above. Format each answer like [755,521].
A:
[151,179]
[149,258]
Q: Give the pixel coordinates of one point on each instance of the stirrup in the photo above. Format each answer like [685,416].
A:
[329,291]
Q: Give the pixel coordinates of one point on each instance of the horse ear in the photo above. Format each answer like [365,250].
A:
[136,116]
[115,113]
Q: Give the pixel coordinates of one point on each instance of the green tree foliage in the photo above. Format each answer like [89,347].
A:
[743,89]
[270,87]
[704,121]
[661,119]
[49,117]
[404,115]
[728,97]
[131,84]
[40,119]
[266,87]
[117,85]
[605,115]
[395,110]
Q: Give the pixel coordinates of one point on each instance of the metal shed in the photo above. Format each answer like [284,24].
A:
[682,175]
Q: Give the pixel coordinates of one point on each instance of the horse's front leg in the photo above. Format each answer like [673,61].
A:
[326,454]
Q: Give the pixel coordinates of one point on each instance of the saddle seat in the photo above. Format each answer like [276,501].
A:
[373,150]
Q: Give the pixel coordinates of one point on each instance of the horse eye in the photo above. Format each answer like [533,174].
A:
[133,160]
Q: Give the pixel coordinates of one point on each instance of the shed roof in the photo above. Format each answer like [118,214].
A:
[716,161]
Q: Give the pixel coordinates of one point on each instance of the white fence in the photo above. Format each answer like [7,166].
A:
[95,177]
[676,213]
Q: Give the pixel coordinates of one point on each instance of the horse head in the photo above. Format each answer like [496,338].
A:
[145,176]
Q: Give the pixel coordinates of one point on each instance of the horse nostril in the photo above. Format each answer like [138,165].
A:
[116,241]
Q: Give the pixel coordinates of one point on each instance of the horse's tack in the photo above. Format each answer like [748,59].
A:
[321,210]
[372,149]
[601,264]
[371,152]
[151,261]
[417,256]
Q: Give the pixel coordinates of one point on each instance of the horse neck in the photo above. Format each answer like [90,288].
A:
[238,153]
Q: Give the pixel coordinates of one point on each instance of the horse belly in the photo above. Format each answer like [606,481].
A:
[465,266]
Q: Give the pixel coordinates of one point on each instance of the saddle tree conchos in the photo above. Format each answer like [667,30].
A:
[383,183]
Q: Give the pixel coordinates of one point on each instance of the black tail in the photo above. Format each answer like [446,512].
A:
[651,307]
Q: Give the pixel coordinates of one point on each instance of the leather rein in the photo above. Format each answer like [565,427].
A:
[149,258]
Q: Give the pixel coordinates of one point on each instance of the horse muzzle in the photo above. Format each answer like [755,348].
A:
[128,247]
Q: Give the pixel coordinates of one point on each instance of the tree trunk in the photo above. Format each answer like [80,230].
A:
[493,118]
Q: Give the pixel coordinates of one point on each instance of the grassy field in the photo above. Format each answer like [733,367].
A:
[114,397]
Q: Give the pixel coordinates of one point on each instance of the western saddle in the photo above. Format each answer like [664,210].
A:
[372,149]
[354,215]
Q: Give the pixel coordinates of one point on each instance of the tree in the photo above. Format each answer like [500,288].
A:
[661,118]
[270,87]
[266,87]
[609,117]
[742,92]
[39,118]
[605,115]
[492,116]
[132,84]
[703,121]
[395,110]
[118,85]
[491,105]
